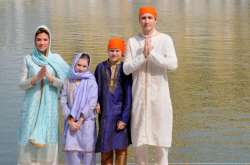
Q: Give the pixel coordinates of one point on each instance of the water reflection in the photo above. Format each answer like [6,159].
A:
[210,90]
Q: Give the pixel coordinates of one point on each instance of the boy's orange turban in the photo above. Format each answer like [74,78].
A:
[117,43]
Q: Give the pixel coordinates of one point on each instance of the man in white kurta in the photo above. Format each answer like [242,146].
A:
[149,56]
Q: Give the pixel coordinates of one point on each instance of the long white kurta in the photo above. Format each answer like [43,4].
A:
[152,116]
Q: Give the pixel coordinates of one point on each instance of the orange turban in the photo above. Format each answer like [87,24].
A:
[147,9]
[117,43]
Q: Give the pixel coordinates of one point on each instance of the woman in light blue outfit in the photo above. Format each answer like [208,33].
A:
[42,77]
[78,100]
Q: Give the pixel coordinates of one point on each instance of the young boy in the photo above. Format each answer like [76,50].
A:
[78,99]
[115,99]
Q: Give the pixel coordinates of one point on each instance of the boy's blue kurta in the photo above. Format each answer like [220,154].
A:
[115,105]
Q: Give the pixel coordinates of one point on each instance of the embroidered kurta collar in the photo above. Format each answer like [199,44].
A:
[114,67]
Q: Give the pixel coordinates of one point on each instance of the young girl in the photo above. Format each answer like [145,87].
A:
[114,97]
[78,99]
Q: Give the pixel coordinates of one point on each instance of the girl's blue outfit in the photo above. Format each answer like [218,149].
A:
[78,99]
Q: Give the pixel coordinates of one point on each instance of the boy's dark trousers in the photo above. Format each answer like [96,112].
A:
[120,157]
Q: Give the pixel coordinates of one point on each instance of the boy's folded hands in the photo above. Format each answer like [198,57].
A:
[121,125]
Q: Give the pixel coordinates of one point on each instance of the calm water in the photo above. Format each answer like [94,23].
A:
[210,89]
